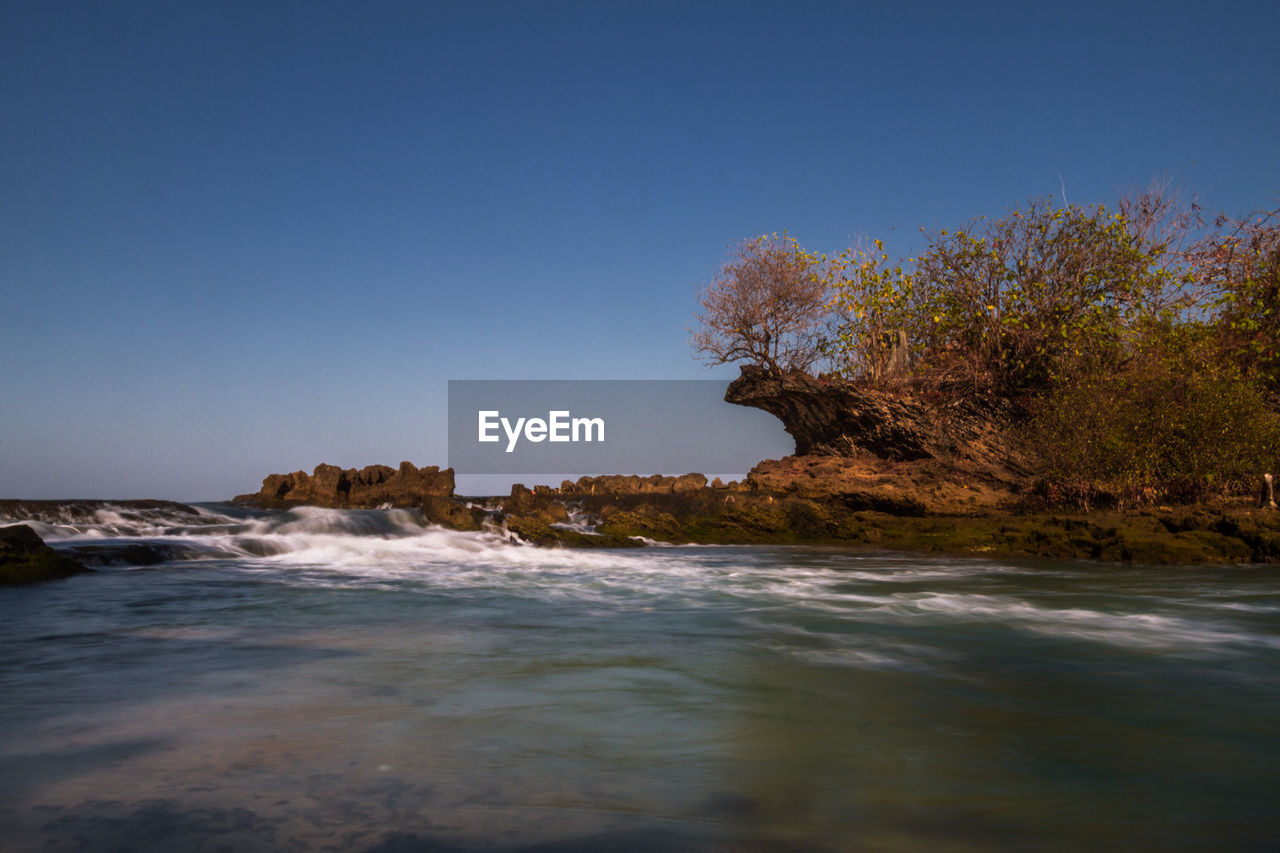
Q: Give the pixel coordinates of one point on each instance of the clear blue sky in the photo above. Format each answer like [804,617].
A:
[238,238]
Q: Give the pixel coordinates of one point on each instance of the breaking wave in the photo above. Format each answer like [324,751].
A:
[835,591]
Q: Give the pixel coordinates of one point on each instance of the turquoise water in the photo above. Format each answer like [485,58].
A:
[354,681]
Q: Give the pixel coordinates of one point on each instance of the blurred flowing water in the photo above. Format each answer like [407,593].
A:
[323,679]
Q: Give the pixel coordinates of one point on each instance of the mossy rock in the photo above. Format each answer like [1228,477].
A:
[1260,532]
[1157,550]
[810,518]
[645,522]
[536,531]
[758,517]
[452,513]
[24,558]
[1229,549]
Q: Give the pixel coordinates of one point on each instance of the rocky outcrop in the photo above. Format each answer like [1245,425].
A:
[427,489]
[899,449]
[922,487]
[536,531]
[24,558]
[78,512]
[617,484]
[352,488]
[1185,536]
[541,502]
[831,416]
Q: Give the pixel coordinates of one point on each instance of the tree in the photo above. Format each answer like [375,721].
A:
[1008,303]
[1164,227]
[1240,262]
[1172,423]
[873,308]
[766,305]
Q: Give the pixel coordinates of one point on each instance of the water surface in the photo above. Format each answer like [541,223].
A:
[354,680]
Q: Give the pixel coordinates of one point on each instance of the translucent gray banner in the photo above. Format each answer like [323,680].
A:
[605,426]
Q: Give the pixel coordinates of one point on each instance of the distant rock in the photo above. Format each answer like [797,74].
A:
[363,488]
[542,503]
[76,512]
[452,513]
[427,489]
[618,484]
[24,558]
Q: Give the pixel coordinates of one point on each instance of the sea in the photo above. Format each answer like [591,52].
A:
[318,679]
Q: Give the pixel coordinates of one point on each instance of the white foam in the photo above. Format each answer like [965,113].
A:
[315,546]
[1150,631]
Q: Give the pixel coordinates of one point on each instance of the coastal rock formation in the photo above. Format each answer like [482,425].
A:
[617,484]
[831,416]
[428,490]
[898,450]
[369,487]
[536,531]
[542,502]
[24,558]
[922,487]
[121,513]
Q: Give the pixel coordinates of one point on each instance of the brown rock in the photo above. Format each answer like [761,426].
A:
[903,450]
[369,487]
[617,484]
[689,483]
[542,503]
[865,482]
[829,415]
[329,486]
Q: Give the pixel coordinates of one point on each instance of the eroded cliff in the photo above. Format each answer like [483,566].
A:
[918,450]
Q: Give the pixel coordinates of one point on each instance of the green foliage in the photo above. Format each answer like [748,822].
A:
[1014,304]
[1011,302]
[1171,424]
[1145,346]
[872,299]
[1240,262]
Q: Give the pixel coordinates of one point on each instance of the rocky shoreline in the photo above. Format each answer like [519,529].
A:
[792,501]
[626,512]
[900,468]
[1184,535]
[906,467]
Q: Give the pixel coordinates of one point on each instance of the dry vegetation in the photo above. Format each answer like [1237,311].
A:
[1140,341]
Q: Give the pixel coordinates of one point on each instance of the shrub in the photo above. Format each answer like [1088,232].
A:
[872,303]
[1146,351]
[767,305]
[1011,302]
[1172,424]
[1240,261]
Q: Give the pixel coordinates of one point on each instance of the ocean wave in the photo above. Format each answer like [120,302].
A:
[1135,630]
[332,547]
